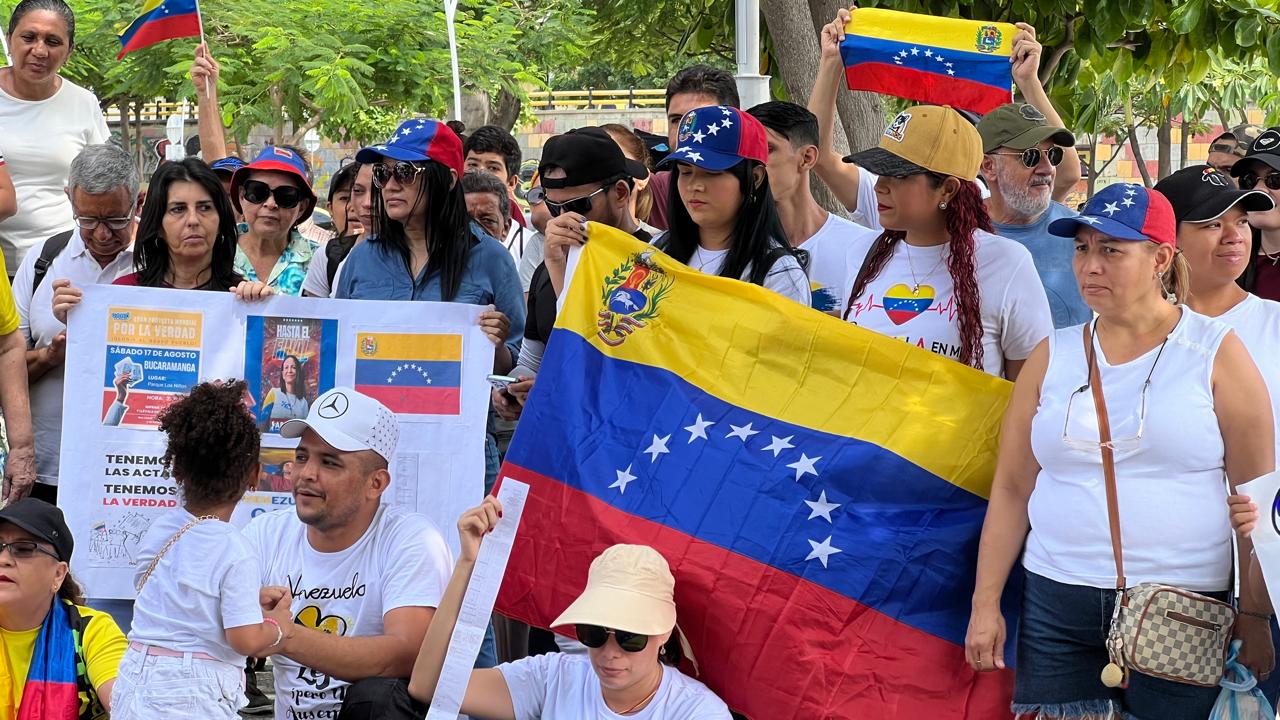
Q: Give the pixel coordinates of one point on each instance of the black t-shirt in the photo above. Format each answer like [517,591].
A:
[541,315]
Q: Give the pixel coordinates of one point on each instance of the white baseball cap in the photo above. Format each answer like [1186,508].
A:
[349,421]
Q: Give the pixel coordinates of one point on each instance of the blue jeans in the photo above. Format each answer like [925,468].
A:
[1061,653]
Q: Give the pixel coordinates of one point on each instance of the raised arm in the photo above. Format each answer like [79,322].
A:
[204,74]
[487,693]
[840,176]
[1026,74]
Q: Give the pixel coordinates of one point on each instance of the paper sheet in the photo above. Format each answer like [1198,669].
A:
[1265,493]
[477,604]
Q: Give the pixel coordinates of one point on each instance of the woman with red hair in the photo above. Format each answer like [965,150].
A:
[937,277]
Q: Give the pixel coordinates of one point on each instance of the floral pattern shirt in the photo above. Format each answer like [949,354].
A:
[290,269]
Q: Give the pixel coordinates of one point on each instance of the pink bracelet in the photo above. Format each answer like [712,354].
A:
[279,631]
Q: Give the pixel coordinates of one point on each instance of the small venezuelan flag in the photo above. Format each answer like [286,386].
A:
[161,20]
[942,61]
[412,373]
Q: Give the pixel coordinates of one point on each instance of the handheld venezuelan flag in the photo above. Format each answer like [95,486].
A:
[418,373]
[942,61]
[818,489]
[161,20]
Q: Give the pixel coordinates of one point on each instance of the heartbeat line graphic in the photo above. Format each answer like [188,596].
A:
[950,309]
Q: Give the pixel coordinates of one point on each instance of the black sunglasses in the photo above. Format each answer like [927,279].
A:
[257,192]
[1249,181]
[581,205]
[594,636]
[27,549]
[1031,156]
[403,172]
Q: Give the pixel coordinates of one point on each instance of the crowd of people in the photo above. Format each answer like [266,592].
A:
[956,240]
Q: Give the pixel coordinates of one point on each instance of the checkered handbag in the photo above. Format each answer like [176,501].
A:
[1158,630]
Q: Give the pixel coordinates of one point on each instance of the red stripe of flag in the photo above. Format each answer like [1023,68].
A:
[416,400]
[773,636]
[926,87]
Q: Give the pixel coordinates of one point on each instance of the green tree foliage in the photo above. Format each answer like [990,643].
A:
[350,69]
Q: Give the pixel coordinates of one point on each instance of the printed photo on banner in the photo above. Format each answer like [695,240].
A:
[411,373]
[275,474]
[153,357]
[288,363]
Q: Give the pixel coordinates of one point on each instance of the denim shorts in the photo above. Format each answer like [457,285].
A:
[1061,653]
[153,686]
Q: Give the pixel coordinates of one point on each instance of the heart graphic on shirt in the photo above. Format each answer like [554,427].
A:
[328,624]
[902,305]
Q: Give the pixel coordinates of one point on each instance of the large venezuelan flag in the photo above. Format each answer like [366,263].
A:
[161,20]
[936,60]
[817,488]
[411,372]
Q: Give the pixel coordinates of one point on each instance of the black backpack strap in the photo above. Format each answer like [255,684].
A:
[335,251]
[48,252]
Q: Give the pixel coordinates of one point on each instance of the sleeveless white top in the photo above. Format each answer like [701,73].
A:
[1171,483]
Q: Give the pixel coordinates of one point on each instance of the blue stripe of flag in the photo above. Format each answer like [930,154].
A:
[409,373]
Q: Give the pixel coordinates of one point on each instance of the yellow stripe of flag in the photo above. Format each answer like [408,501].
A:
[408,346]
[757,350]
[991,38]
[150,5]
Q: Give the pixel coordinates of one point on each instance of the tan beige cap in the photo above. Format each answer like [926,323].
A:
[925,138]
[629,587]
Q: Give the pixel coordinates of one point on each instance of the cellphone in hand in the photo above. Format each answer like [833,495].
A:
[500,382]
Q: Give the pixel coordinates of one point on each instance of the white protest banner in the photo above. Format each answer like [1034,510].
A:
[132,351]
[1265,493]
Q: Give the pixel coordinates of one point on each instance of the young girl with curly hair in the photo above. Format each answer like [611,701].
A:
[197,614]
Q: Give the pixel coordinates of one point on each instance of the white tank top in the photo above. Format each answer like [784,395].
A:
[1171,483]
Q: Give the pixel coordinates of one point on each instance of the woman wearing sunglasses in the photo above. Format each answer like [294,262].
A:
[1185,407]
[48,634]
[626,616]
[721,217]
[1259,170]
[426,247]
[937,277]
[275,197]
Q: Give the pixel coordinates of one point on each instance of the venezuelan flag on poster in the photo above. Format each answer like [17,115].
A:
[412,373]
[161,20]
[818,489]
[936,60]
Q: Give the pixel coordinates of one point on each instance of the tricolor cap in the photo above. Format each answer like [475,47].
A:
[419,140]
[1200,193]
[717,138]
[1264,149]
[630,588]
[277,159]
[1126,212]
[228,165]
[349,421]
[925,138]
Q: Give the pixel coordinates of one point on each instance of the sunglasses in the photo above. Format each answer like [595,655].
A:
[594,636]
[1031,156]
[403,172]
[535,195]
[1249,181]
[27,549]
[287,196]
[581,205]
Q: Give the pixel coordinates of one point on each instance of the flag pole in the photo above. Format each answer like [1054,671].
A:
[208,91]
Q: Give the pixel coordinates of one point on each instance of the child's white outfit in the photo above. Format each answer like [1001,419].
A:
[179,663]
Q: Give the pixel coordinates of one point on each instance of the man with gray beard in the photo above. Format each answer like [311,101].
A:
[1023,150]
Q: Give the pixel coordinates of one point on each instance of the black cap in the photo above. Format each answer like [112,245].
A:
[42,520]
[587,155]
[1200,193]
[1264,149]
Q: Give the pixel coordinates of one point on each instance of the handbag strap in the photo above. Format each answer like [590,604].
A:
[1108,455]
[146,575]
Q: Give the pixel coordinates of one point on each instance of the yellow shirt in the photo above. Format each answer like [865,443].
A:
[8,309]
[103,645]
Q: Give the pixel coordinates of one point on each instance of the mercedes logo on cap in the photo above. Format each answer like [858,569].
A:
[334,407]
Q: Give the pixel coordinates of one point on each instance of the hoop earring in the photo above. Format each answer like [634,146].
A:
[942,205]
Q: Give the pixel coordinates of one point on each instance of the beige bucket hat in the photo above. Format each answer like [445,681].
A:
[630,588]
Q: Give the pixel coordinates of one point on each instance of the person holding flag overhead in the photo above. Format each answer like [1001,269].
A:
[937,277]
[1118,482]
[47,121]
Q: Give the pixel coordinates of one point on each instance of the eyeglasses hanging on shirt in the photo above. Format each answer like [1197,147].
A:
[1120,445]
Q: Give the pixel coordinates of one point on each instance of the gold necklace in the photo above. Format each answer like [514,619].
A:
[915,283]
[636,708]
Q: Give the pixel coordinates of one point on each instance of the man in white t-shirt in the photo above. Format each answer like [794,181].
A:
[792,133]
[365,577]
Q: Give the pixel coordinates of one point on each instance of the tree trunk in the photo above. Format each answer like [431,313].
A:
[1164,136]
[860,112]
[1185,145]
[1093,165]
[143,166]
[126,132]
[506,110]
[1134,145]
[312,123]
[277,114]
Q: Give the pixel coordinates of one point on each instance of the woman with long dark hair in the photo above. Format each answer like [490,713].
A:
[427,248]
[289,399]
[721,217]
[937,277]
